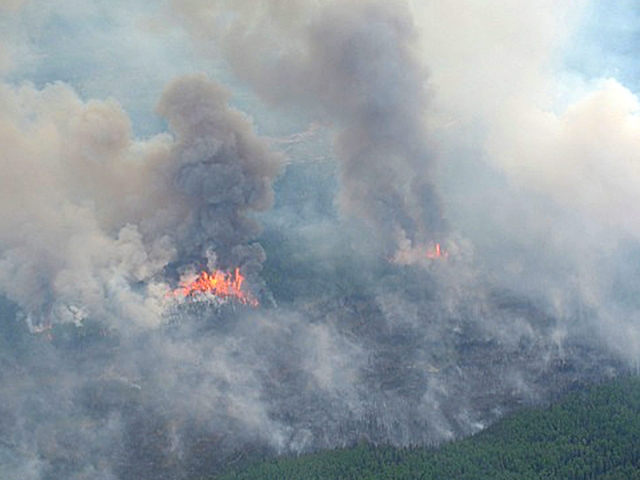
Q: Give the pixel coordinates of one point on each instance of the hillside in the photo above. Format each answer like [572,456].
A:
[591,433]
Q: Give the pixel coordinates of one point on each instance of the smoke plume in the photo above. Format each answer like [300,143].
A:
[87,213]
[222,171]
[355,64]
[465,246]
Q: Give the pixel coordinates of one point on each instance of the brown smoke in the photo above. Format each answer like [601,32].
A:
[354,63]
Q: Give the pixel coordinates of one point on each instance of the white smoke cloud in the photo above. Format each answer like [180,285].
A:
[5,59]
[563,150]
[586,157]
[11,4]
[62,163]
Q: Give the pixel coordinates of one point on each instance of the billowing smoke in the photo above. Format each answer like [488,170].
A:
[221,169]
[355,64]
[71,181]
[526,290]
[93,224]
[88,214]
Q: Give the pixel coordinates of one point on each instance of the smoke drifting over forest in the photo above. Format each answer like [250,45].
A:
[436,231]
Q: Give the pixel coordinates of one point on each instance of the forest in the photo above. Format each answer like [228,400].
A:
[593,432]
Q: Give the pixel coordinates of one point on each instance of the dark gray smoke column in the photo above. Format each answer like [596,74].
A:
[354,62]
[368,76]
[222,170]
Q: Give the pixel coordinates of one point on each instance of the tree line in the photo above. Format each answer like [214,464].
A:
[594,432]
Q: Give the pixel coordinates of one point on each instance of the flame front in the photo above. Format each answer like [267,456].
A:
[224,285]
[420,254]
[437,252]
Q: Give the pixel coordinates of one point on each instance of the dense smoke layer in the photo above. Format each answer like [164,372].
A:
[91,222]
[90,218]
[391,324]
[223,172]
[354,63]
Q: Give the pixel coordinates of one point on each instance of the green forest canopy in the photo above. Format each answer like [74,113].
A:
[593,432]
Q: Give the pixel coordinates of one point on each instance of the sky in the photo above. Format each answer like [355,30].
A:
[324,149]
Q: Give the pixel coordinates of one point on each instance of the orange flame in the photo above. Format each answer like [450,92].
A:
[437,252]
[420,254]
[224,285]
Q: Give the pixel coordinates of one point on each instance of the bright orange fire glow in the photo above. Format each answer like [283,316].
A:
[224,285]
[437,252]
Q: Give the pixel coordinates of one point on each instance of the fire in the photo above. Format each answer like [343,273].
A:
[437,252]
[420,254]
[224,285]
